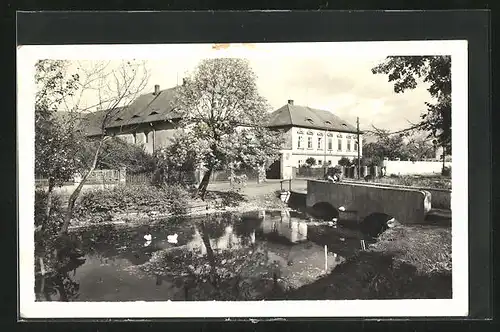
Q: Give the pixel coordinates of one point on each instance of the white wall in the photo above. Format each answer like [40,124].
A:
[413,167]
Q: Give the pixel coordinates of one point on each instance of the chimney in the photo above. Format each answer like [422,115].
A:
[157,90]
[290,101]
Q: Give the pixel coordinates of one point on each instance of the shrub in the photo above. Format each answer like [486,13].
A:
[446,171]
[344,162]
[56,216]
[311,161]
[101,205]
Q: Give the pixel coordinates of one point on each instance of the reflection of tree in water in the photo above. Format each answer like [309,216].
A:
[58,265]
[208,273]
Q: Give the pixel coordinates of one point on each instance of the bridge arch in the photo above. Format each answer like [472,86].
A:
[324,210]
[376,223]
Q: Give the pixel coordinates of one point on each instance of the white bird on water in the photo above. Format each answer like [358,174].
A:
[148,237]
[342,208]
[172,238]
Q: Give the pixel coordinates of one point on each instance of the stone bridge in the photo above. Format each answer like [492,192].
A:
[407,205]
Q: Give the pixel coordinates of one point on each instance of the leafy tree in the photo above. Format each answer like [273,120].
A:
[180,158]
[218,98]
[344,162]
[311,161]
[56,140]
[404,71]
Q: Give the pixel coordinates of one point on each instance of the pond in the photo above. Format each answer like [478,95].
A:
[227,256]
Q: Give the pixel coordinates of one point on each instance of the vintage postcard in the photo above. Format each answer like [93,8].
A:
[243,180]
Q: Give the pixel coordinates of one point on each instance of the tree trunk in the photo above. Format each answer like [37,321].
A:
[202,188]
[48,205]
[210,254]
[63,296]
[76,193]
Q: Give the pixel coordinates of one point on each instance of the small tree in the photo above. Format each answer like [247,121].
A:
[115,88]
[182,156]
[56,139]
[311,161]
[344,162]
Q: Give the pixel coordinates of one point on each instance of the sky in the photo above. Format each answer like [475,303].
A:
[340,83]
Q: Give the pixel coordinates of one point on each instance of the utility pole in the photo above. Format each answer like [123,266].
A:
[359,147]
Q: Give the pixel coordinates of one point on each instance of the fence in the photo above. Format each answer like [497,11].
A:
[139,179]
[104,176]
[224,175]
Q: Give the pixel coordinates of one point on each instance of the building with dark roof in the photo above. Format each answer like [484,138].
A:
[312,133]
[151,119]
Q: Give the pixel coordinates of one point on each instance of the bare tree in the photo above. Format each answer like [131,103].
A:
[114,89]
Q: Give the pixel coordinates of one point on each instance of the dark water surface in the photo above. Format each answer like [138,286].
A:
[217,257]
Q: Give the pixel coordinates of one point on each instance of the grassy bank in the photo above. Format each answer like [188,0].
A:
[406,263]
[144,203]
[430,181]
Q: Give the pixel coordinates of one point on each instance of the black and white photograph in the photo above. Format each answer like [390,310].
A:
[243,179]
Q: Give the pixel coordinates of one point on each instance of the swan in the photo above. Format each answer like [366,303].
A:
[172,238]
[342,208]
[148,237]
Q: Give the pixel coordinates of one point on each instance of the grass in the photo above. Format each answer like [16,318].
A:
[430,181]
[427,248]
[406,263]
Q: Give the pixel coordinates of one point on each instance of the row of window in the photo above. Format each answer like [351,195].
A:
[300,143]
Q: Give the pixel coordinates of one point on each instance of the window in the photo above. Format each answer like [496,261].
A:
[135,138]
[339,144]
[348,144]
[146,137]
[319,143]
[356,145]
[329,162]
[299,142]
[320,162]
[309,142]
[300,162]
[330,144]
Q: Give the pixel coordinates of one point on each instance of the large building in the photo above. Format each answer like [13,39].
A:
[312,133]
[152,120]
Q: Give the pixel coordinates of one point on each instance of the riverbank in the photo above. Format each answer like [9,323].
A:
[406,263]
[220,198]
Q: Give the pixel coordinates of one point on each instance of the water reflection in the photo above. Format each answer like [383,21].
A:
[217,257]
[284,225]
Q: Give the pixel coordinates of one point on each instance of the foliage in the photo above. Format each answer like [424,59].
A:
[311,161]
[446,171]
[103,204]
[404,71]
[117,153]
[56,139]
[180,158]
[50,225]
[439,182]
[344,162]
[215,102]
